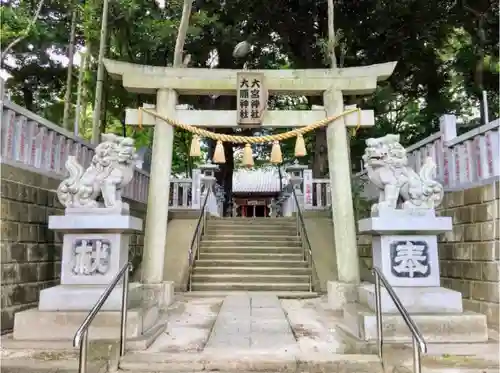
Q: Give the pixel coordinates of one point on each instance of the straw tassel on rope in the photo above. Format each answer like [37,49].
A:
[247,156]
[355,129]
[219,156]
[300,146]
[139,119]
[276,156]
[195,150]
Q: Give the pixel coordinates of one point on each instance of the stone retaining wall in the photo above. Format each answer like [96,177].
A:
[30,252]
[469,256]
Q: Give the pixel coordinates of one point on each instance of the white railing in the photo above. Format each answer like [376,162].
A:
[321,197]
[464,161]
[37,143]
[181,191]
[317,194]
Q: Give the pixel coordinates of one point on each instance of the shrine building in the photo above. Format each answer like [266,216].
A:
[254,191]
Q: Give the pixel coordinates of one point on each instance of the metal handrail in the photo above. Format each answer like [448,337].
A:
[82,334]
[302,231]
[197,237]
[418,343]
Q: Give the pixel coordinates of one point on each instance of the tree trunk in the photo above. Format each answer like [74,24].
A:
[227,178]
[71,52]
[331,34]
[80,100]
[181,34]
[320,158]
[96,134]
[104,107]
[28,97]
[320,155]
[480,67]
[224,175]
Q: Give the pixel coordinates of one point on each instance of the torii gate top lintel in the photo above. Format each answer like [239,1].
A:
[193,81]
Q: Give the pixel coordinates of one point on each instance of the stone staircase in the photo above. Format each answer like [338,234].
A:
[251,254]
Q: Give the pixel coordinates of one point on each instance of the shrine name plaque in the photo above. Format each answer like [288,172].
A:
[252,98]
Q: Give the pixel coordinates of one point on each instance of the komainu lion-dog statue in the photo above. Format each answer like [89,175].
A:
[111,169]
[400,187]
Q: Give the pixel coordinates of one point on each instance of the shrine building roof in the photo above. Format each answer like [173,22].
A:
[256,181]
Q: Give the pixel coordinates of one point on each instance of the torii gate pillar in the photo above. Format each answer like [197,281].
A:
[342,205]
[153,257]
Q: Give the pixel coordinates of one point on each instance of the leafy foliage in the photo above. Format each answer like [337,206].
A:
[447,53]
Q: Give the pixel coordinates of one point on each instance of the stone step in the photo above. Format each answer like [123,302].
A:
[248,223]
[242,237]
[279,294]
[251,256]
[251,231]
[229,361]
[249,286]
[106,325]
[252,220]
[253,227]
[251,263]
[451,364]
[251,278]
[31,360]
[395,348]
[49,366]
[449,327]
[253,249]
[325,214]
[248,270]
[247,243]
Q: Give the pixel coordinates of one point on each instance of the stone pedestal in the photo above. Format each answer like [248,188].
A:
[404,246]
[95,248]
[415,299]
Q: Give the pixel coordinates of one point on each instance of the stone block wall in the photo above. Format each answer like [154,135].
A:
[469,256]
[365,257]
[138,210]
[31,253]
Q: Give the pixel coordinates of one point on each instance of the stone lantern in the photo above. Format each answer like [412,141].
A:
[208,174]
[208,184]
[296,172]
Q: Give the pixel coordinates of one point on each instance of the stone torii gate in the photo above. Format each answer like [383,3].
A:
[168,82]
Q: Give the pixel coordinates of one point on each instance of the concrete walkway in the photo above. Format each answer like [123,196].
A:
[189,325]
[249,332]
[251,321]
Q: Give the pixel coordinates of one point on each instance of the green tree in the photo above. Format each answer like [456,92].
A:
[440,47]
